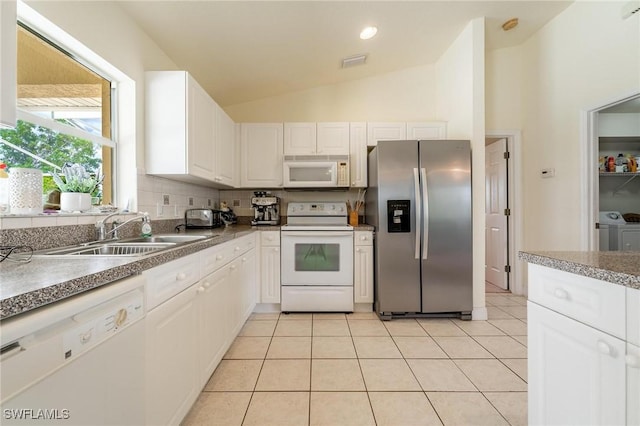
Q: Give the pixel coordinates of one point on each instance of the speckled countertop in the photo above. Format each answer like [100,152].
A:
[44,280]
[617,267]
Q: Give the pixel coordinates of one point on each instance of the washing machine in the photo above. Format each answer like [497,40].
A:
[620,234]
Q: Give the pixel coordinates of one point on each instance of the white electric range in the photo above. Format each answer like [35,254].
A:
[317,258]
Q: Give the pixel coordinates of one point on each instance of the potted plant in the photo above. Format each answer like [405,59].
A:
[76,186]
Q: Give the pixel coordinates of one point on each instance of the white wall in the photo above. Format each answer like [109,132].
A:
[503,84]
[460,102]
[584,57]
[406,95]
[107,31]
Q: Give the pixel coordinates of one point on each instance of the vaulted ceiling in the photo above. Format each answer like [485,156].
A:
[245,50]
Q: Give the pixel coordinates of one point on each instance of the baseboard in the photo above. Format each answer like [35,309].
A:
[262,308]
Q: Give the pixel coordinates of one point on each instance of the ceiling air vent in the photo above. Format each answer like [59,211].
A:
[630,9]
[353,61]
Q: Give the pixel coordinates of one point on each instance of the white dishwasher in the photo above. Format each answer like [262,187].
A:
[78,361]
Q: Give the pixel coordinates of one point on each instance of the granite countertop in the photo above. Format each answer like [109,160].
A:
[617,267]
[44,280]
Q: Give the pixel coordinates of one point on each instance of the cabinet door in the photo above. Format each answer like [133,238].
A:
[385,132]
[427,131]
[576,373]
[201,133]
[332,139]
[172,374]
[270,274]
[633,384]
[213,322]
[358,154]
[261,155]
[8,63]
[363,274]
[299,138]
[248,283]
[224,148]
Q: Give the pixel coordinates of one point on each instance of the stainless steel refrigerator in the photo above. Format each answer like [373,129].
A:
[419,200]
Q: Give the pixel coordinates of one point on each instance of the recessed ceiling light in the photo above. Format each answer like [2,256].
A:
[368,32]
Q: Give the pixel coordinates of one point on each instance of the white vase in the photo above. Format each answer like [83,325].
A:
[75,201]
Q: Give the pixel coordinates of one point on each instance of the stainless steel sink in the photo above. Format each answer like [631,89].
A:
[178,239]
[127,247]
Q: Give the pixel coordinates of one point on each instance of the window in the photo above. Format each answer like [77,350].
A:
[64,112]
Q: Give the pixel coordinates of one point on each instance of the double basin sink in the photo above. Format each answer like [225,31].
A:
[126,247]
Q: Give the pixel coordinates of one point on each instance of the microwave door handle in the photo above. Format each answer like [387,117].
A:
[425,207]
[418,207]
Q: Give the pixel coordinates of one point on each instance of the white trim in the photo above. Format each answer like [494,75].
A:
[589,188]
[479,314]
[63,128]
[514,145]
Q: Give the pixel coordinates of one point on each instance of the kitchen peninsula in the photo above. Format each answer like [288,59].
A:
[584,337]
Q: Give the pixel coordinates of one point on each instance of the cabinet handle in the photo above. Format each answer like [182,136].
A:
[358,250]
[233,267]
[560,293]
[181,276]
[200,290]
[237,248]
[632,361]
[604,348]
[276,249]
[270,238]
[219,257]
[207,284]
[244,259]
[353,183]
[363,238]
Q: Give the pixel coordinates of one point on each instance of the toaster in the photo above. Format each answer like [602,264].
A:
[202,219]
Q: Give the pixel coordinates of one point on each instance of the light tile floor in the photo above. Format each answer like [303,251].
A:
[336,369]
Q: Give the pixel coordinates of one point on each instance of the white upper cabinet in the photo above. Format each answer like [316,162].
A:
[316,138]
[224,154]
[299,138]
[8,63]
[397,131]
[385,132]
[358,154]
[427,131]
[332,138]
[261,155]
[188,136]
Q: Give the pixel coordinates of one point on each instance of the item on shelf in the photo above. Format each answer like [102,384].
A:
[4,189]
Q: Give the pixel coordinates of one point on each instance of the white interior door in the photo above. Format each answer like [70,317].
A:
[496,219]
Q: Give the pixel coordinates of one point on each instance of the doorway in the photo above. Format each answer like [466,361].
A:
[591,133]
[512,238]
[496,215]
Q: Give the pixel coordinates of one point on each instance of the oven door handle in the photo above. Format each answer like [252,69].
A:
[319,234]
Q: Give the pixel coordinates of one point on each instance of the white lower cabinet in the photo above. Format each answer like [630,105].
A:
[270,267]
[172,375]
[363,268]
[576,373]
[188,334]
[214,322]
[583,363]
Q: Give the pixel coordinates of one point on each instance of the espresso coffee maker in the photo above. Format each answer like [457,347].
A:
[266,208]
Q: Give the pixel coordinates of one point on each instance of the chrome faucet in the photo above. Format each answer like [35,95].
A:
[101,225]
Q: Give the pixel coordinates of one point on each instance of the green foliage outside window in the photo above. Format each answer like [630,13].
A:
[57,148]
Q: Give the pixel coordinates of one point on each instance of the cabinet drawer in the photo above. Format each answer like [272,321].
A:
[216,257]
[270,238]
[597,303]
[363,238]
[165,281]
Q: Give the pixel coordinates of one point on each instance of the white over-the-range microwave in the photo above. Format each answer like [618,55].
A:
[316,171]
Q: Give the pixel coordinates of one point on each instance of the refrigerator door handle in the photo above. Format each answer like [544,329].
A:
[425,208]
[416,181]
